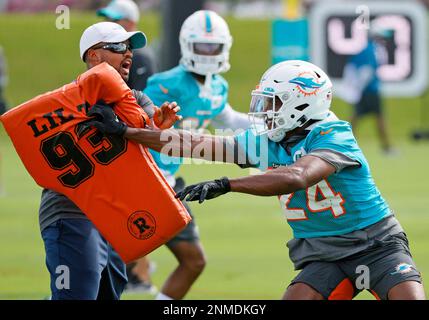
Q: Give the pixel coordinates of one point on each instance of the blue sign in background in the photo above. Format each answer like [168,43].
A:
[289,40]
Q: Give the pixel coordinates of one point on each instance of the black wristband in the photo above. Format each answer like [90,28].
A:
[225,183]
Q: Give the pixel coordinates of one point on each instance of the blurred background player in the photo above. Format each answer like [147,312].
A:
[127,14]
[3,81]
[363,84]
[202,94]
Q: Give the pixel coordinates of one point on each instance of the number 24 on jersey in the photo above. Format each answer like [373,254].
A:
[320,197]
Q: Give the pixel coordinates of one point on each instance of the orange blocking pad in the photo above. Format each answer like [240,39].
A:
[115,182]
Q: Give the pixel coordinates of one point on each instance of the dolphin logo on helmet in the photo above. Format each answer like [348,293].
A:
[307,83]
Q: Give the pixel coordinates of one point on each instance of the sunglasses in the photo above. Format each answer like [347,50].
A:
[115,47]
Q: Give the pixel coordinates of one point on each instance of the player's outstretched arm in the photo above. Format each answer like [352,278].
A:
[177,143]
[185,144]
[304,173]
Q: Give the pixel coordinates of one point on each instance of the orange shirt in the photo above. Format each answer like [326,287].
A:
[115,182]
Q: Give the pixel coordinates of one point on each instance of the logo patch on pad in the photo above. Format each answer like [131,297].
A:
[141,225]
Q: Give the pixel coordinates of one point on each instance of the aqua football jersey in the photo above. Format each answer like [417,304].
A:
[197,110]
[344,202]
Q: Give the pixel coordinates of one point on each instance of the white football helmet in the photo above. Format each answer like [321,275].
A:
[289,94]
[205,42]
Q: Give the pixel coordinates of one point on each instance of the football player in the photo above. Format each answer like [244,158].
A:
[313,164]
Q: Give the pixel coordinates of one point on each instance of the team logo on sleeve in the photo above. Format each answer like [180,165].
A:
[307,83]
[141,225]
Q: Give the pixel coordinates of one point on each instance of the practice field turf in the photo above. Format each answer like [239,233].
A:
[244,236]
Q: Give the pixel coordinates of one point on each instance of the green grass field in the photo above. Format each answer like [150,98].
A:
[244,236]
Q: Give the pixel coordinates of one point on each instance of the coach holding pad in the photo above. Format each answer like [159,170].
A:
[71,240]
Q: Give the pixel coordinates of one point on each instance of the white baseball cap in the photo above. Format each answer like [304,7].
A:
[109,32]
[121,9]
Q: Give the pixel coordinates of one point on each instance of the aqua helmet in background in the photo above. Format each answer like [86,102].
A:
[205,42]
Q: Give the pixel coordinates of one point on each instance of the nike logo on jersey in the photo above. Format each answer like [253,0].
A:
[322,133]
[163,89]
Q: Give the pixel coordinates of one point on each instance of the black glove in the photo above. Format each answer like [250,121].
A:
[205,190]
[104,119]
